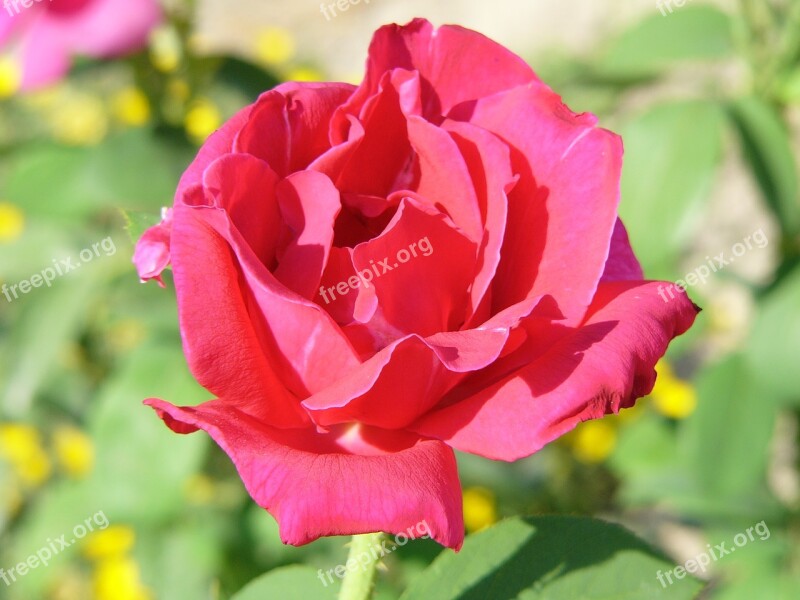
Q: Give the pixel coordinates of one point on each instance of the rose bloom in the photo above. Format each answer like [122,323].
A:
[42,38]
[512,309]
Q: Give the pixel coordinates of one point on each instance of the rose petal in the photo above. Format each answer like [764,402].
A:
[287,126]
[455,64]
[438,258]
[604,365]
[309,204]
[563,210]
[45,54]
[106,28]
[225,353]
[622,264]
[379,392]
[444,179]
[151,255]
[379,161]
[245,187]
[297,337]
[217,144]
[314,487]
[489,164]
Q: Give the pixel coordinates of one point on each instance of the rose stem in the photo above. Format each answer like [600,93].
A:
[358,583]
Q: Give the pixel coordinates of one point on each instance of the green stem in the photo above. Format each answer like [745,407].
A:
[358,583]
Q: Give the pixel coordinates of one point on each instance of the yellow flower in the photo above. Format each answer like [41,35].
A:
[114,542]
[131,107]
[79,120]
[304,74]
[119,579]
[74,450]
[21,447]
[593,441]
[202,120]
[12,222]
[673,397]
[480,509]
[166,53]
[275,46]
[10,76]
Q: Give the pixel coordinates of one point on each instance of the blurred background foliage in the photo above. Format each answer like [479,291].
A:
[707,99]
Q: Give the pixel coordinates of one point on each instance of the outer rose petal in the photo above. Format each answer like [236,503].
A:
[309,485]
[604,365]
[225,353]
[621,264]
[218,143]
[244,186]
[300,339]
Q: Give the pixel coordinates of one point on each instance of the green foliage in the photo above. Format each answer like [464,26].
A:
[672,152]
[290,583]
[550,557]
[660,41]
[767,148]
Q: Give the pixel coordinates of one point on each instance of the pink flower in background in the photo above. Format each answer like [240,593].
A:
[43,37]
[369,278]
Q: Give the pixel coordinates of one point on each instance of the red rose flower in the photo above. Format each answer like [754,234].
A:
[42,36]
[371,277]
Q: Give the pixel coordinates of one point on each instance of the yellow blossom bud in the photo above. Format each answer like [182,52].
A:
[480,509]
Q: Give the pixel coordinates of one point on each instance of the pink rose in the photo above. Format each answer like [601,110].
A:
[44,36]
[368,278]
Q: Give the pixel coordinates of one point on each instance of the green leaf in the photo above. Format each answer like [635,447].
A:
[288,583]
[689,33]
[183,560]
[774,347]
[141,465]
[54,317]
[570,558]
[768,150]
[671,158]
[646,462]
[133,169]
[730,410]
